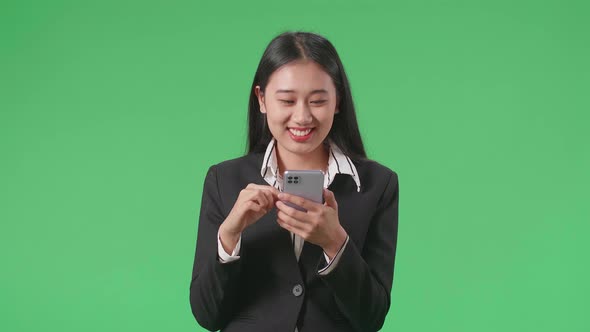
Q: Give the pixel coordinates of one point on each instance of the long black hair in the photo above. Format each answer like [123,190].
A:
[291,46]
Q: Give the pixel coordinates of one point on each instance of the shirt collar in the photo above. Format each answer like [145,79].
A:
[338,163]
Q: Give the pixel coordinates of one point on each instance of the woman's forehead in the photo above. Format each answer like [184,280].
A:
[300,77]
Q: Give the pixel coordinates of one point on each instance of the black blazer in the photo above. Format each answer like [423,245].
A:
[267,289]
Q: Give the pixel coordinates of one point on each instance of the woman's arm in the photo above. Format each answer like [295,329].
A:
[362,280]
[214,285]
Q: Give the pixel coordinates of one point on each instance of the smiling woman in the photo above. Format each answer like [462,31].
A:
[261,265]
[299,104]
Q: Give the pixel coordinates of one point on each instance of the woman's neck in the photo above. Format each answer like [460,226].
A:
[317,159]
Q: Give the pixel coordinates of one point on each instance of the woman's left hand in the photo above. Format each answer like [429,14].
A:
[319,225]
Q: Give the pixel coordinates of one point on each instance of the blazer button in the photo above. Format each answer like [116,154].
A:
[297,290]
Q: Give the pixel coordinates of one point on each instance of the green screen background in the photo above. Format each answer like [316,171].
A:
[112,111]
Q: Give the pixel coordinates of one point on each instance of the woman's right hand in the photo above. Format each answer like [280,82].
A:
[253,202]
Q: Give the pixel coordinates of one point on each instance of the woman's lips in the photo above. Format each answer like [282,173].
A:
[300,134]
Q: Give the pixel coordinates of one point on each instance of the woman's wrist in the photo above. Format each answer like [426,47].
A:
[338,241]
[229,239]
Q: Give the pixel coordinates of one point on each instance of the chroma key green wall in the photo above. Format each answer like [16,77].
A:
[112,111]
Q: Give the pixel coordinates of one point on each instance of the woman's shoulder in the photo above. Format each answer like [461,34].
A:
[248,162]
[373,174]
[373,167]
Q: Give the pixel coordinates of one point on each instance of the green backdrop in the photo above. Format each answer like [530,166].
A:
[112,111]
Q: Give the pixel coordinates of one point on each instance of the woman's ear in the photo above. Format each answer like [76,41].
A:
[260,95]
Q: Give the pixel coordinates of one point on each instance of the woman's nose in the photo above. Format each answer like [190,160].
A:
[302,114]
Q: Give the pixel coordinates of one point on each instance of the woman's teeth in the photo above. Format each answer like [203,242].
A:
[300,132]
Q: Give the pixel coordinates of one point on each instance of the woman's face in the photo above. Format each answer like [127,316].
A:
[300,102]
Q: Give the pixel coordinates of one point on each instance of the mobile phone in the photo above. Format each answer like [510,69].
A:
[308,184]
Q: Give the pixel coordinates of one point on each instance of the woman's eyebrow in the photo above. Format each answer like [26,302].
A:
[292,91]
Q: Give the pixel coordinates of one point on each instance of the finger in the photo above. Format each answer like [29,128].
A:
[299,201]
[274,191]
[330,199]
[291,211]
[271,189]
[288,227]
[270,199]
[293,230]
[292,223]
[259,197]
[255,197]
[252,206]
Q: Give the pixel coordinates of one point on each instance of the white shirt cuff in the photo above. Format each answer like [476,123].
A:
[225,257]
[332,264]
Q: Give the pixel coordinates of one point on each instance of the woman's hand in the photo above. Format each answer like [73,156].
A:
[253,202]
[319,225]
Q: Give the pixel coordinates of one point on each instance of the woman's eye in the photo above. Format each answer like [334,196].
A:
[289,102]
[317,102]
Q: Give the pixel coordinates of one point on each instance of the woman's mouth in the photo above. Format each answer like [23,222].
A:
[300,134]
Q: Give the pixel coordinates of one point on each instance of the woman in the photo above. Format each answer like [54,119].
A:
[261,265]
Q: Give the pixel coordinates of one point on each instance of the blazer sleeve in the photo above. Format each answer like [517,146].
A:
[362,281]
[214,285]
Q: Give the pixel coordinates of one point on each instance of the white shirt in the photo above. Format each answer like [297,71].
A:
[338,163]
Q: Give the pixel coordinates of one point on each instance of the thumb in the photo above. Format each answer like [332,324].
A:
[330,199]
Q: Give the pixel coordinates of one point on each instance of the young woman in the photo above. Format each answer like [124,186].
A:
[261,265]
